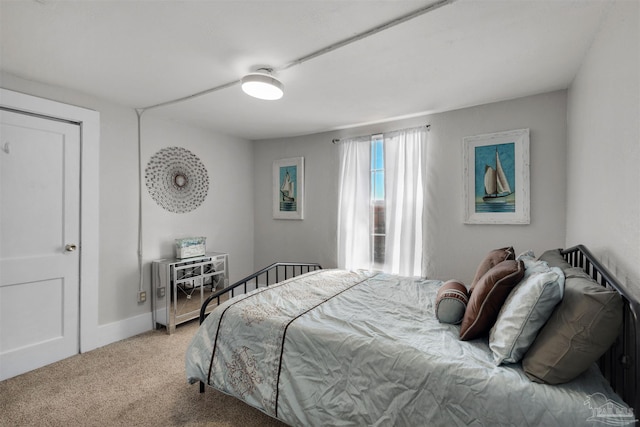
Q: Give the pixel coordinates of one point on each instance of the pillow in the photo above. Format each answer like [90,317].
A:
[581,328]
[577,272]
[527,255]
[451,302]
[525,311]
[487,299]
[532,265]
[554,258]
[492,259]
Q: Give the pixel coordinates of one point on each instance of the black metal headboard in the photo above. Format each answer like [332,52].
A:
[620,363]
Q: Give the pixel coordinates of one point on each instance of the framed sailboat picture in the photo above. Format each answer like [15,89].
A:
[496,181]
[288,188]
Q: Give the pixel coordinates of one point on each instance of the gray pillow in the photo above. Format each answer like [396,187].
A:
[581,328]
[554,258]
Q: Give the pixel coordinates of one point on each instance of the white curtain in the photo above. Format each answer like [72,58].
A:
[405,159]
[353,204]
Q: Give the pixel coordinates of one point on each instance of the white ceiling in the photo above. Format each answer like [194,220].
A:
[141,53]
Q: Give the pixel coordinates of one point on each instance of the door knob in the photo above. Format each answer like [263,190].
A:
[70,247]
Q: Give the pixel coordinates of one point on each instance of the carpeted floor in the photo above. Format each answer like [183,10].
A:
[136,382]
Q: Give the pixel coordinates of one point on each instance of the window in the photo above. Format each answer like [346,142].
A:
[377,172]
[377,199]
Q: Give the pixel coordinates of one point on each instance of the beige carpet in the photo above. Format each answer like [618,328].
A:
[136,382]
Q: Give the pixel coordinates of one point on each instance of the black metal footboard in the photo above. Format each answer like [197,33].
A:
[620,364]
[267,276]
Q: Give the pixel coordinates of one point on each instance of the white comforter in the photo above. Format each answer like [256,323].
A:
[340,348]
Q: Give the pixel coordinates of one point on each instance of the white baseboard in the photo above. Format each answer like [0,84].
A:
[122,329]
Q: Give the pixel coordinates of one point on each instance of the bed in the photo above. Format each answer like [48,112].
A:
[351,348]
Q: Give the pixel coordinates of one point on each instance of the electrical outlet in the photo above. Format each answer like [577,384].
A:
[142,296]
[161,292]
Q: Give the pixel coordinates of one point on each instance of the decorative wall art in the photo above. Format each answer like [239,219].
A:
[177,180]
[288,188]
[496,178]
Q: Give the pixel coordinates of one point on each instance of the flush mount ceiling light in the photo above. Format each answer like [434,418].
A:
[262,85]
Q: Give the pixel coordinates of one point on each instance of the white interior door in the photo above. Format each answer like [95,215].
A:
[39,241]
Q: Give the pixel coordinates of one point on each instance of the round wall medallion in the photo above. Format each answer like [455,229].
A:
[176,179]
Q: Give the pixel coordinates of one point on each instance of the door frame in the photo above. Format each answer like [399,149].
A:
[89,123]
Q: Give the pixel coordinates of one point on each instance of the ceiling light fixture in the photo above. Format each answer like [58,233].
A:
[262,85]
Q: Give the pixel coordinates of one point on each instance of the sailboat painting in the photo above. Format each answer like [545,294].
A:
[495,178]
[496,181]
[288,179]
[288,188]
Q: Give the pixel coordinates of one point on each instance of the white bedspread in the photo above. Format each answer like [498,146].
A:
[339,348]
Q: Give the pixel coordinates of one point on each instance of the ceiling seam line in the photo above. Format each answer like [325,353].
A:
[368,33]
[397,21]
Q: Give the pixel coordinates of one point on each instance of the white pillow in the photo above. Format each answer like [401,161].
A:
[525,311]
[528,255]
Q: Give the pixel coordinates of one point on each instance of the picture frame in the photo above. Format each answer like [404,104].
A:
[288,188]
[496,178]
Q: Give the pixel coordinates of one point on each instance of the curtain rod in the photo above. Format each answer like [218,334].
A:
[336,140]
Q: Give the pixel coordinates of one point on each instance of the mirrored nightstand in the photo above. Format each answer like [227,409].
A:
[180,286]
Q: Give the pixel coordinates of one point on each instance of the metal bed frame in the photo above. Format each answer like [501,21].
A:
[619,364]
[279,271]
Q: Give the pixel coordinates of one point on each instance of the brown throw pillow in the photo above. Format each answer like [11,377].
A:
[488,297]
[492,259]
[581,328]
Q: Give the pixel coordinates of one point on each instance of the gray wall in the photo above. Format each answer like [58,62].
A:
[312,239]
[601,171]
[589,195]
[225,217]
[457,248]
[604,146]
